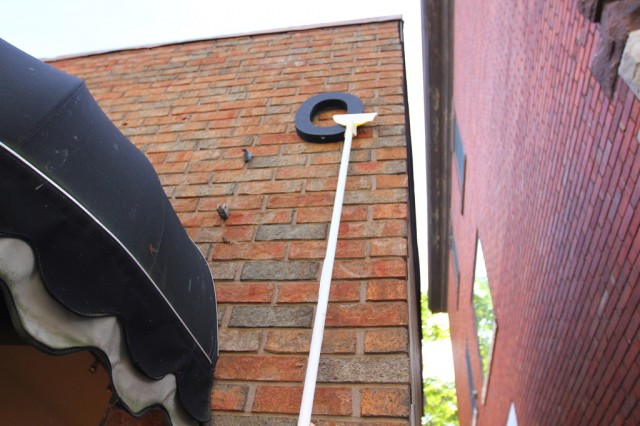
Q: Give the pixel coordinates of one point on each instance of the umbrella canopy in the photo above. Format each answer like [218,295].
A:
[92,255]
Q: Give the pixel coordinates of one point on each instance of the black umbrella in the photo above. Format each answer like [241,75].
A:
[116,270]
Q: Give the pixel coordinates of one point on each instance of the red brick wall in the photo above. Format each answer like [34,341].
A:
[192,108]
[552,190]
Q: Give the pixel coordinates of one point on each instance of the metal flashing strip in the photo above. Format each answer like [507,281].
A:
[414,290]
[99,223]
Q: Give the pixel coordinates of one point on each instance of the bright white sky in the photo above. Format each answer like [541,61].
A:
[52,28]
[47,28]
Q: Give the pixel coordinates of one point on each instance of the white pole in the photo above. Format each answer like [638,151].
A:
[351,122]
[325,285]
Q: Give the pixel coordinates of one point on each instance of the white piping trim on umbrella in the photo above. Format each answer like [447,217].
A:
[49,323]
[76,202]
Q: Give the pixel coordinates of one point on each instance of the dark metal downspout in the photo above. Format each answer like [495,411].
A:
[437,39]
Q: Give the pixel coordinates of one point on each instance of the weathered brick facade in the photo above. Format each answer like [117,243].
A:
[552,191]
[192,108]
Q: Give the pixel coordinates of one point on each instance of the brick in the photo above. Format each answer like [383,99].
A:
[232,340]
[277,161]
[389,247]
[306,147]
[374,229]
[259,217]
[291,232]
[229,397]
[271,316]
[307,172]
[193,178]
[390,211]
[232,176]
[172,180]
[308,292]
[171,167]
[335,401]
[216,165]
[287,368]
[399,153]
[228,233]
[251,420]
[349,214]
[277,139]
[336,156]
[245,292]
[196,219]
[298,341]
[392,181]
[381,268]
[290,271]
[363,369]
[270,187]
[385,402]
[257,151]
[330,184]
[235,203]
[296,200]
[381,196]
[317,249]
[393,340]
[189,191]
[370,314]
[220,314]
[378,168]
[156,157]
[387,290]
[168,147]
[184,204]
[231,105]
[250,251]
[224,270]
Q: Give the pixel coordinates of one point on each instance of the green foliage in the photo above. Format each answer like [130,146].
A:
[485,319]
[441,407]
[434,326]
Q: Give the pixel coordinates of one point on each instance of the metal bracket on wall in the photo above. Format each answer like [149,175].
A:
[223,211]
